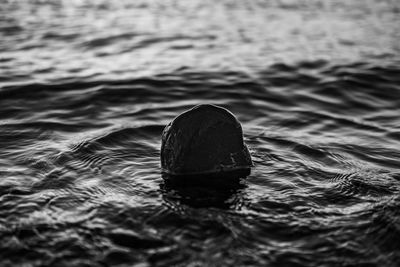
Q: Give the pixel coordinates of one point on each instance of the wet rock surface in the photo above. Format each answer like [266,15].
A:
[207,141]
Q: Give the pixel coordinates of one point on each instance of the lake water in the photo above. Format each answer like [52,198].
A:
[86,88]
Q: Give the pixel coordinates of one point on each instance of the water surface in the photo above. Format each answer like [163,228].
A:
[87,88]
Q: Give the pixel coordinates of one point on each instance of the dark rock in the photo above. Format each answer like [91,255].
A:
[205,141]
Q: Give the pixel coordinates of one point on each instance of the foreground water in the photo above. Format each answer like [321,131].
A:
[87,88]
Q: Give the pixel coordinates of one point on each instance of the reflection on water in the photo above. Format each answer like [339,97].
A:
[87,88]
[214,195]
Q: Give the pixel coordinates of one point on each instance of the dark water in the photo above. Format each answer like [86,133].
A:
[86,87]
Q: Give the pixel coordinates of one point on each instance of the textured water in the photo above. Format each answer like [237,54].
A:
[86,88]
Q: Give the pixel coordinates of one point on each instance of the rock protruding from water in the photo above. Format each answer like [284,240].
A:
[205,141]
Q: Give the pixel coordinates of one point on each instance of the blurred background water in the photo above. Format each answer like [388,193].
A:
[86,88]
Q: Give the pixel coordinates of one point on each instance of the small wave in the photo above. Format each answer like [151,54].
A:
[131,239]
[357,184]
[384,228]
